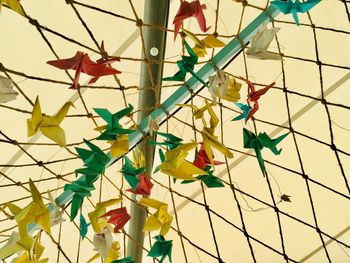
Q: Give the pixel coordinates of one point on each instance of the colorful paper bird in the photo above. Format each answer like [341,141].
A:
[245,111]
[200,46]
[294,7]
[124,260]
[118,217]
[13,246]
[160,220]
[171,141]
[83,226]
[82,63]
[104,60]
[95,160]
[144,186]
[202,159]
[251,141]
[254,96]
[13,5]
[48,125]
[209,138]
[187,10]
[6,90]
[161,248]
[131,173]
[209,179]
[56,214]
[261,42]
[175,165]
[98,222]
[113,131]
[186,65]
[81,188]
[224,87]
[108,249]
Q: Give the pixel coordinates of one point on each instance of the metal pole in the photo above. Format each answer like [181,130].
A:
[155,13]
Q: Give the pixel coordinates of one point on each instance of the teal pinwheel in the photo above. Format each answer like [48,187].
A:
[124,260]
[161,248]
[209,179]
[171,141]
[131,173]
[83,226]
[245,111]
[251,141]
[95,160]
[186,65]
[81,188]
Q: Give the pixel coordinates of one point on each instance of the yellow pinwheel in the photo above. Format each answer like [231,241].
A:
[13,5]
[200,46]
[161,219]
[48,125]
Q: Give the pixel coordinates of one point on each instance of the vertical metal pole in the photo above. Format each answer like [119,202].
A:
[155,13]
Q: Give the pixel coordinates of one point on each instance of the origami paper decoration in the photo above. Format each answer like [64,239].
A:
[153,124]
[48,125]
[245,111]
[6,90]
[161,248]
[105,246]
[104,60]
[161,219]
[209,179]
[186,65]
[113,131]
[224,87]
[13,5]
[261,42]
[186,10]
[254,96]
[124,260]
[95,160]
[131,173]
[210,41]
[82,63]
[12,246]
[251,141]
[98,222]
[202,159]
[56,214]
[83,226]
[171,140]
[294,7]
[118,217]
[175,165]
[81,188]
[144,186]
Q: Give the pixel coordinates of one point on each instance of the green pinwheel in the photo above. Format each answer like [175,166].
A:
[161,248]
[95,160]
[251,141]
[131,173]
[186,65]
[171,141]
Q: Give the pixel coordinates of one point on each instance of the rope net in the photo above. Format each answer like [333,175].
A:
[295,209]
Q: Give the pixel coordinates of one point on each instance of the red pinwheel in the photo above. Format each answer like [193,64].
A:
[202,159]
[118,217]
[144,186]
[186,10]
[254,96]
[81,62]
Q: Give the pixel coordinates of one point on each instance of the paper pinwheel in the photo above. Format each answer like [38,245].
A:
[131,173]
[6,90]
[118,217]
[175,165]
[124,260]
[83,226]
[98,222]
[254,95]
[251,141]
[294,7]
[186,10]
[200,46]
[202,160]
[48,125]
[245,111]
[261,43]
[95,160]
[81,188]
[224,87]
[186,65]
[171,141]
[13,5]
[113,131]
[160,220]
[161,248]
[82,63]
